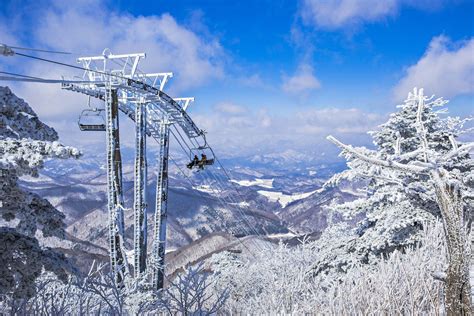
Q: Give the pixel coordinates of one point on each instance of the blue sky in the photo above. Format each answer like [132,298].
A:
[281,73]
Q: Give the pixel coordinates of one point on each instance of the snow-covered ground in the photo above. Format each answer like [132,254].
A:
[264,183]
[281,236]
[285,199]
[471,272]
[241,204]
[204,188]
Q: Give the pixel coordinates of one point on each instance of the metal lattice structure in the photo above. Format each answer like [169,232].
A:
[116,80]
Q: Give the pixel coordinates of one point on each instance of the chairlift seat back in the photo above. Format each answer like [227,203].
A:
[91,121]
[92,127]
[209,162]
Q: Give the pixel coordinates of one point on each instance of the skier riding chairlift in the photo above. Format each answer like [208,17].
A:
[193,162]
[200,163]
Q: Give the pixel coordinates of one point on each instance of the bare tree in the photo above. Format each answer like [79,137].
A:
[190,294]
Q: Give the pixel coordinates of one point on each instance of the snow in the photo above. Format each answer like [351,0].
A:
[241,204]
[282,235]
[285,199]
[264,183]
[471,277]
[419,169]
[130,257]
[204,188]
[343,271]
[25,144]
[354,192]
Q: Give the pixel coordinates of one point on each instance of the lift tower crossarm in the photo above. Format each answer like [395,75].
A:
[154,79]
[167,105]
[184,102]
[128,64]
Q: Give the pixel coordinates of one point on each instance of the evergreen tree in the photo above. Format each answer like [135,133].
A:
[25,142]
[419,169]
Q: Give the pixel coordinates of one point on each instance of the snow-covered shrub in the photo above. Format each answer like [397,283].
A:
[282,281]
[274,282]
[189,293]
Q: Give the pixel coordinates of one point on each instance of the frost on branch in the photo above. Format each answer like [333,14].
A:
[18,120]
[419,154]
[25,142]
[276,281]
[23,260]
[26,156]
[401,193]
[96,293]
[279,281]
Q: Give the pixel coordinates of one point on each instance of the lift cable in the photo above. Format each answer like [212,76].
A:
[222,184]
[232,183]
[224,203]
[202,196]
[233,186]
[210,184]
[75,67]
[19,75]
[218,195]
[237,204]
[242,218]
[10,78]
[228,199]
[71,66]
[40,50]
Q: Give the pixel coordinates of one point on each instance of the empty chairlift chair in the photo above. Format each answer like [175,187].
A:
[92,120]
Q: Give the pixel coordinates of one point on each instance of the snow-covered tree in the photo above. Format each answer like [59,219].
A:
[418,170]
[97,293]
[25,143]
[280,281]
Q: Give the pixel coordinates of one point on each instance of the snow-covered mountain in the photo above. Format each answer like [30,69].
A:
[272,199]
[275,194]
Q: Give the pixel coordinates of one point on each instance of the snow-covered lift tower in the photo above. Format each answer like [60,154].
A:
[116,80]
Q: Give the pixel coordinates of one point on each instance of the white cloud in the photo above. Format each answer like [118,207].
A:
[333,14]
[230,108]
[264,131]
[336,120]
[253,80]
[86,28]
[443,70]
[337,14]
[302,81]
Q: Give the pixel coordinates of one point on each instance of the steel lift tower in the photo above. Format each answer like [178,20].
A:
[116,80]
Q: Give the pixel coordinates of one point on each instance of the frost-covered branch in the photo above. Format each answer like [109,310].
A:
[26,156]
[435,177]
[421,168]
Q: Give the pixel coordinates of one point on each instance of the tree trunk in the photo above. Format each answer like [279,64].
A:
[457,287]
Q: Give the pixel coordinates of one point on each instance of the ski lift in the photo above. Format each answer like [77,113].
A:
[92,120]
[204,160]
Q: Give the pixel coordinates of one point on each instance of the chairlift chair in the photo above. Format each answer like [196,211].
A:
[206,150]
[92,120]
